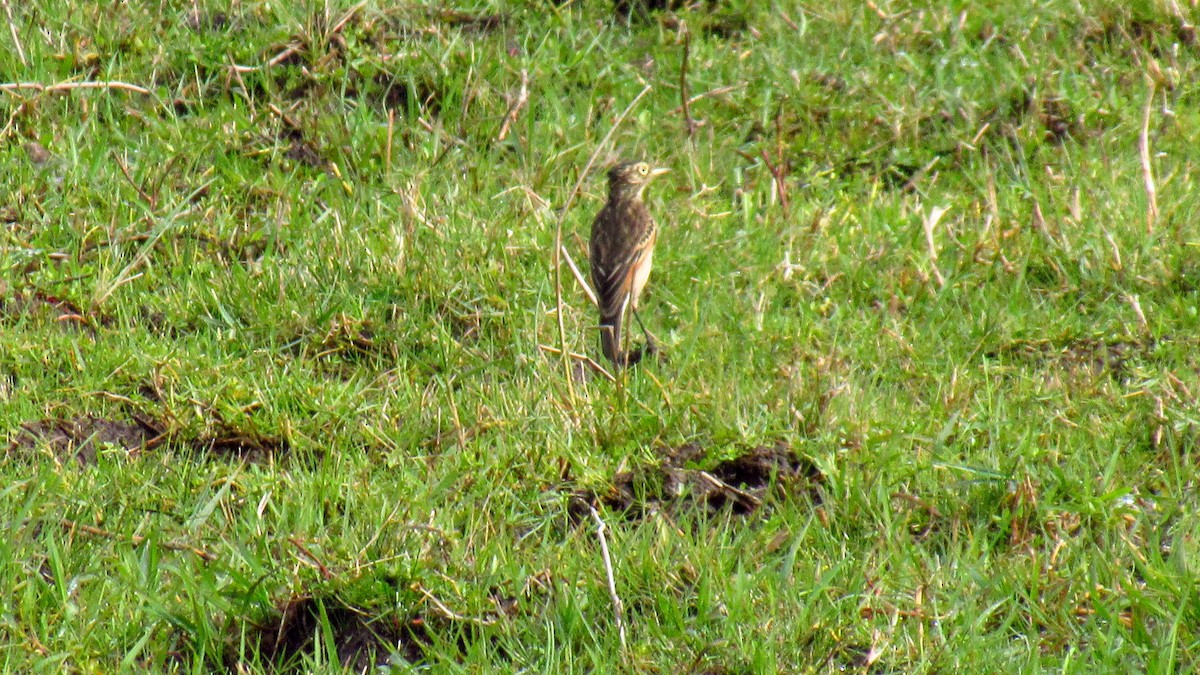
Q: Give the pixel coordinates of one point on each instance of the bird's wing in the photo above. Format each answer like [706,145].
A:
[612,274]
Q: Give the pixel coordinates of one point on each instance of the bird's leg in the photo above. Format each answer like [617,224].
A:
[651,343]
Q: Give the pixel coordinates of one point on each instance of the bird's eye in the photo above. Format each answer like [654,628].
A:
[642,169]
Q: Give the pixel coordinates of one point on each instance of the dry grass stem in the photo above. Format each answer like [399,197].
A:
[514,109]
[710,93]
[135,539]
[581,357]
[618,606]
[12,28]
[1147,168]
[451,614]
[929,222]
[690,124]
[587,288]
[12,87]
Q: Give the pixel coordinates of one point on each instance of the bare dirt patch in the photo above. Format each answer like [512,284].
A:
[207,22]
[35,303]
[1112,31]
[469,22]
[741,485]
[1091,356]
[247,446]
[352,339]
[1053,113]
[81,437]
[364,639]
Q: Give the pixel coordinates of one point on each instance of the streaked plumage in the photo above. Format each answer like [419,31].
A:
[622,252]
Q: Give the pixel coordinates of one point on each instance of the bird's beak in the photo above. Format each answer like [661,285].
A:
[659,171]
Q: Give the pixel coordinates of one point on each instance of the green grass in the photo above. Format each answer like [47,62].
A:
[318,331]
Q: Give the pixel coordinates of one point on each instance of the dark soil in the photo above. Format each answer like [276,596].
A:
[739,486]
[364,639]
[79,438]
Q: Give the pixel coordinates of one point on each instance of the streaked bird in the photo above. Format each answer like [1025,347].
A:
[622,251]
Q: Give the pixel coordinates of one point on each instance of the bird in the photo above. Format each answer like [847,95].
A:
[621,252]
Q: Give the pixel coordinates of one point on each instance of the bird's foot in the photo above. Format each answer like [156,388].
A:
[649,350]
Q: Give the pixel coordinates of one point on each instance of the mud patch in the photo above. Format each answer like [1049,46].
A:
[706,17]
[346,341]
[1091,356]
[205,22]
[1058,120]
[408,94]
[466,21]
[740,486]
[1060,124]
[643,8]
[891,174]
[38,304]
[1116,32]
[301,150]
[299,147]
[37,153]
[81,437]
[350,338]
[230,443]
[365,640]
[291,140]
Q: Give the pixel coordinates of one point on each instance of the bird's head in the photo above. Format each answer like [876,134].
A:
[628,180]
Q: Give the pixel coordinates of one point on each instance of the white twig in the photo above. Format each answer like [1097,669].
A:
[618,606]
[451,614]
[930,222]
[1137,310]
[581,357]
[1147,170]
[587,289]
[708,94]
[67,86]
[721,485]
[515,109]
[1039,223]
[12,27]
[1115,250]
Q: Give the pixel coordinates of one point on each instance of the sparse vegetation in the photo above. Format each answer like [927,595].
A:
[280,337]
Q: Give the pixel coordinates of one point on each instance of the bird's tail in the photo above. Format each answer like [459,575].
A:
[610,339]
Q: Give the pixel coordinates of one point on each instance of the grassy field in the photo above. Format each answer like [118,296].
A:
[281,316]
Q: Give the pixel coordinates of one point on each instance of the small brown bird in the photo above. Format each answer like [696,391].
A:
[622,249]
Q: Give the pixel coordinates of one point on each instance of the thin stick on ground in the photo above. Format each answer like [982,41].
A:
[135,539]
[711,92]
[1147,169]
[690,124]
[558,240]
[391,130]
[12,28]
[582,357]
[751,500]
[618,606]
[587,288]
[151,201]
[779,175]
[451,614]
[929,222]
[325,573]
[514,110]
[11,87]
